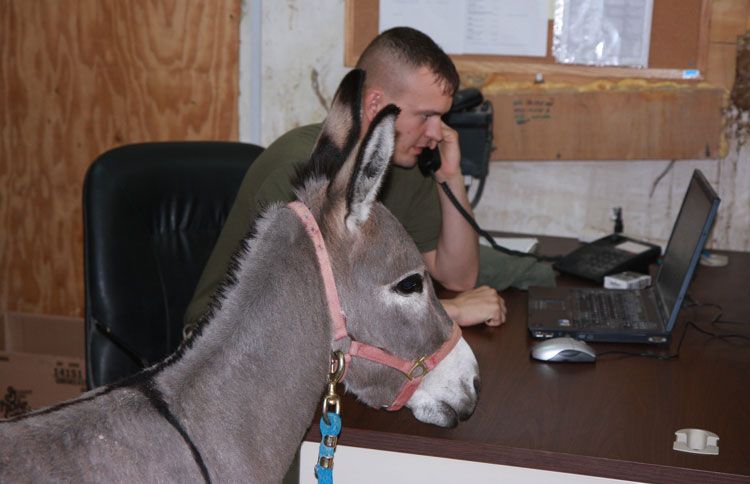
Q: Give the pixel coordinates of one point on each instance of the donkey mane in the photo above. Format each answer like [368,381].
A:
[227,283]
[306,179]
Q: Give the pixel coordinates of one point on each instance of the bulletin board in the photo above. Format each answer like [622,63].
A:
[594,112]
[679,33]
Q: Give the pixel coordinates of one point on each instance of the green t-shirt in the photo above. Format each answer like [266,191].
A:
[409,195]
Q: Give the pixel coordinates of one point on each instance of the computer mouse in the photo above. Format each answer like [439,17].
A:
[563,349]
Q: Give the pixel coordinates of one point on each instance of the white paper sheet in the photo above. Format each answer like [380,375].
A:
[521,244]
[495,27]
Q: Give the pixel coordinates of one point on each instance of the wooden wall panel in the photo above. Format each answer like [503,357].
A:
[79,77]
[728,22]
[722,61]
[606,121]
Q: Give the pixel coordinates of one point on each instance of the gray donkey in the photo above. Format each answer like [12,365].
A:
[234,401]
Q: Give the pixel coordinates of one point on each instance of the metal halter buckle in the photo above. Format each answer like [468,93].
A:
[419,364]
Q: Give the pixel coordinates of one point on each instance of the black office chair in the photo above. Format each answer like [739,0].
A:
[151,215]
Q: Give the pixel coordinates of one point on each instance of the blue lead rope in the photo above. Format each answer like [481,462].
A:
[329,432]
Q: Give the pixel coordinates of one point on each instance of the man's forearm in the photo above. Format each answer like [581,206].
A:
[455,261]
[457,253]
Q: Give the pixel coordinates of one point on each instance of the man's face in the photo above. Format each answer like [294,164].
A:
[422,102]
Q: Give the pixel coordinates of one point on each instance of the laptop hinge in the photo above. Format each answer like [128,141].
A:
[655,296]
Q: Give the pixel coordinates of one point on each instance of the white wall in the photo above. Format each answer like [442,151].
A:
[302,40]
[301,62]
[574,198]
[369,466]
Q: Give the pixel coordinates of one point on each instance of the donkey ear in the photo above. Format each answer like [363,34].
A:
[341,129]
[370,166]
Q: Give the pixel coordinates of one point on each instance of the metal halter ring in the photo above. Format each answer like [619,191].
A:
[331,399]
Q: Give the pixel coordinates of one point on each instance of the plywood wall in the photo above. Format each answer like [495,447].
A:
[729,20]
[77,78]
[626,120]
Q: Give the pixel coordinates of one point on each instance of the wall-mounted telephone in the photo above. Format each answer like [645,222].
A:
[466,99]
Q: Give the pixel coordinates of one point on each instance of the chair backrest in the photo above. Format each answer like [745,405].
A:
[151,214]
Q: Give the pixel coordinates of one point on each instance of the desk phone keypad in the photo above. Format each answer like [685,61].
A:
[595,261]
[599,260]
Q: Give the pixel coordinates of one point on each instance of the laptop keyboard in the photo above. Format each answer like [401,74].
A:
[609,309]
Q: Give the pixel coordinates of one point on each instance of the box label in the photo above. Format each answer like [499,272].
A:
[70,374]
[14,402]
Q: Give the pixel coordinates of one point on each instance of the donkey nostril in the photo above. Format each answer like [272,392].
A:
[477,384]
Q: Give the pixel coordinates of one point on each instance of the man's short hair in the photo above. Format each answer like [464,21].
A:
[408,47]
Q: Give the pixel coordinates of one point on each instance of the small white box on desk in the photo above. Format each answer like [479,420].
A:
[627,280]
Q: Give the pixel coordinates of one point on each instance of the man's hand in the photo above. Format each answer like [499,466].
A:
[450,154]
[480,305]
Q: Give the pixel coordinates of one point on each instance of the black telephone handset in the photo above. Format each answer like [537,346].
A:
[429,161]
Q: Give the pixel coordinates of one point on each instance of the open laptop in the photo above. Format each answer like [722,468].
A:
[632,315]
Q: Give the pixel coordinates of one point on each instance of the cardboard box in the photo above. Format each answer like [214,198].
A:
[41,361]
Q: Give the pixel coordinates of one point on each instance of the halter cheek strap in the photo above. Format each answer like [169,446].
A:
[338,318]
[414,371]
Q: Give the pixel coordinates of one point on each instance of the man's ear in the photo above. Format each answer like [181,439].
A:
[372,103]
[370,166]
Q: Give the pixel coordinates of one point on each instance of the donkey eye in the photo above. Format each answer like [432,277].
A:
[410,284]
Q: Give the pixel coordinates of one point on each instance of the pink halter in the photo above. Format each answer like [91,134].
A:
[413,370]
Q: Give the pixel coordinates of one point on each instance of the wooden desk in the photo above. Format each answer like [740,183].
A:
[615,418]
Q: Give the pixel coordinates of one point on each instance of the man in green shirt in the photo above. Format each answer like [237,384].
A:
[406,68]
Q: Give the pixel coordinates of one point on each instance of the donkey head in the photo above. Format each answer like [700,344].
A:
[385,290]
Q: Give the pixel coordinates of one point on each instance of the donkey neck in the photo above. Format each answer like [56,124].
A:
[258,367]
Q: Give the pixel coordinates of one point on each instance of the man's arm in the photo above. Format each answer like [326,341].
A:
[455,261]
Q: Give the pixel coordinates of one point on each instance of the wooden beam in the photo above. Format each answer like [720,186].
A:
[585,72]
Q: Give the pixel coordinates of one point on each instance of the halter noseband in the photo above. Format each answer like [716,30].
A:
[414,371]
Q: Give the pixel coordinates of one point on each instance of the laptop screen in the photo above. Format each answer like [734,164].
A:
[686,243]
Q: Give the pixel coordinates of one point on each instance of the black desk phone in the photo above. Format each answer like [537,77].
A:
[609,255]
